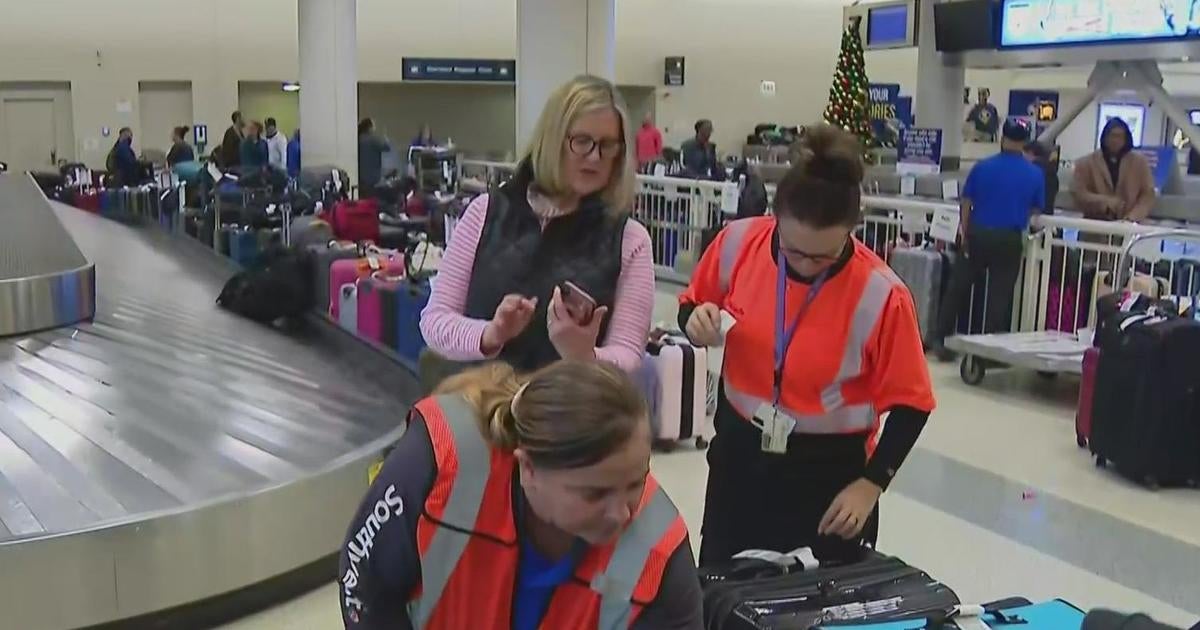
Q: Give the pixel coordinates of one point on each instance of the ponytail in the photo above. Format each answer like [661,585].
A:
[570,414]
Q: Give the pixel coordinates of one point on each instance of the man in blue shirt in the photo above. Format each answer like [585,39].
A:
[1000,195]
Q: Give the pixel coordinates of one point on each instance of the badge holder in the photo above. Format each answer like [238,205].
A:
[776,429]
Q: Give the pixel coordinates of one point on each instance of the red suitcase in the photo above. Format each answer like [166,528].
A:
[351,270]
[88,201]
[356,220]
[1087,388]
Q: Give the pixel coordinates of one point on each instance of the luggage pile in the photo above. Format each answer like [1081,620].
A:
[1139,405]
[765,590]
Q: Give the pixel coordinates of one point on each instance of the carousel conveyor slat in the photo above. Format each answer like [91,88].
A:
[166,409]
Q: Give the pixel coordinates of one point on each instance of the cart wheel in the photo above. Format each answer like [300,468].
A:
[1048,376]
[701,443]
[1101,462]
[971,370]
[663,446]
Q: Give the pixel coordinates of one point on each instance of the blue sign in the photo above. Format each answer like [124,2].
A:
[1162,160]
[919,151]
[474,70]
[888,111]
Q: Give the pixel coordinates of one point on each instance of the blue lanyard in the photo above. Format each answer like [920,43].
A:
[784,337]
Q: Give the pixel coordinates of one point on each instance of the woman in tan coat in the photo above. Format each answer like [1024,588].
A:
[1114,183]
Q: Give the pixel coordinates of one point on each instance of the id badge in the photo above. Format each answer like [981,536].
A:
[776,429]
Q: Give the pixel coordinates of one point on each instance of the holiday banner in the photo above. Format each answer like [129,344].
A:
[883,108]
[919,151]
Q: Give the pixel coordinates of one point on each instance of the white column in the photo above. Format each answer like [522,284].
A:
[557,40]
[328,33]
[939,98]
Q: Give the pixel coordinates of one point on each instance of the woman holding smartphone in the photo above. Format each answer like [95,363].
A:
[550,265]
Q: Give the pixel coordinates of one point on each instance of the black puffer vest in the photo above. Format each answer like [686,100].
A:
[516,256]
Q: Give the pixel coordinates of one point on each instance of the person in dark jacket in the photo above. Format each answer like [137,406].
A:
[293,155]
[540,478]
[254,153]
[123,162]
[180,150]
[700,154]
[230,152]
[371,147]
[1046,159]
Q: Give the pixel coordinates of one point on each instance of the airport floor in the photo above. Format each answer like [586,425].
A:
[996,500]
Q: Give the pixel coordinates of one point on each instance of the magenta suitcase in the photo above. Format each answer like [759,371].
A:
[351,270]
[370,310]
[683,381]
[1087,394]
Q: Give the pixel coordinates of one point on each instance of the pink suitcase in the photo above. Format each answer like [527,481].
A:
[351,270]
[683,391]
[370,310]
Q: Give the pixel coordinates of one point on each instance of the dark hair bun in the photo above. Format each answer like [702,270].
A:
[831,154]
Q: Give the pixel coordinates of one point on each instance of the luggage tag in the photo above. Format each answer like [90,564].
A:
[776,429]
[373,263]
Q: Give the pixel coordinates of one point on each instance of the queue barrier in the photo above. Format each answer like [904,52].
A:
[1069,261]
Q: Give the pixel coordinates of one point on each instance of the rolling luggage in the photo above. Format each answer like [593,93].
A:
[1017,614]
[350,270]
[760,591]
[87,200]
[1146,408]
[1087,393]
[323,257]
[356,220]
[923,271]
[243,246]
[389,287]
[348,313]
[310,230]
[370,310]
[683,381]
[411,298]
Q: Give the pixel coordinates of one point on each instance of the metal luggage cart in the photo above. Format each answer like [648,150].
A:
[1049,352]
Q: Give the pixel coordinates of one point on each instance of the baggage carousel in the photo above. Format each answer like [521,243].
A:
[165,452]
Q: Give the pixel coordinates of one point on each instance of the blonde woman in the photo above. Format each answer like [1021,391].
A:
[521,503]
[562,218]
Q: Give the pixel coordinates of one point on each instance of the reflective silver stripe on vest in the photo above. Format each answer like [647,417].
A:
[866,315]
[462,507]
[731,244]
[844,419]
[617,583]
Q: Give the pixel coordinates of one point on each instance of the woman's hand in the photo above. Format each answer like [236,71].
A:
[850,510]
[572,339]
[704,325]
[512,316]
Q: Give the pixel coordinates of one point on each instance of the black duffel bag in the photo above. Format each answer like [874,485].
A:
[279,287]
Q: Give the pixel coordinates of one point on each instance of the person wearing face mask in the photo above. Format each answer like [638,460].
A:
[562,218]
[1114,183]
[521,503]
[821,340]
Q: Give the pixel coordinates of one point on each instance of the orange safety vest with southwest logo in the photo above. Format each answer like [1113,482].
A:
[467,541]
[833,371]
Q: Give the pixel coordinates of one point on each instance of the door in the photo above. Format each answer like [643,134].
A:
[162,106]
[29,130]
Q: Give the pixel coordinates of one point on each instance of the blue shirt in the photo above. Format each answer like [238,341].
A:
[1004,190]
[537,577]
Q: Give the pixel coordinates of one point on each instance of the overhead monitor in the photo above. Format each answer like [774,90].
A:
[965,25]
[1058,22]
[887,25]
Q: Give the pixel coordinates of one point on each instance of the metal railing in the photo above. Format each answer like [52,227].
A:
[1067,264]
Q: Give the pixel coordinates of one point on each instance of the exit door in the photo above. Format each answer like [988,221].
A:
[29,129]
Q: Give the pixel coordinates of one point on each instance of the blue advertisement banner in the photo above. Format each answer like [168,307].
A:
[1162,160]
[919,151]
[471,70]
[888,111]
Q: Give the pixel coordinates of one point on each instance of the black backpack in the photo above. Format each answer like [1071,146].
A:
[279,287]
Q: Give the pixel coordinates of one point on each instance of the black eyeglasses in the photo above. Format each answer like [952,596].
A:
[583,145]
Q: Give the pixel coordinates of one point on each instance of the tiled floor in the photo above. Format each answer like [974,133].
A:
[996,501]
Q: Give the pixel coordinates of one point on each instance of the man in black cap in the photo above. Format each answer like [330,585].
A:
[1000,195]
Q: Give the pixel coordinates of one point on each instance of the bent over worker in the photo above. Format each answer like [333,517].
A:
[521,503]
[825,343]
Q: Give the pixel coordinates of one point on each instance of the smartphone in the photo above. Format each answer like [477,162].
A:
[580,305]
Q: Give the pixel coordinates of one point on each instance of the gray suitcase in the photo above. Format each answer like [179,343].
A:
[310,230]
[922,271]
[323,257]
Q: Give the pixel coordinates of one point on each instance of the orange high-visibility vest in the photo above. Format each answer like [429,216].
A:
[467,540]
[856,353]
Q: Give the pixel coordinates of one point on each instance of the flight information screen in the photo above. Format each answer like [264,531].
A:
[1049,22]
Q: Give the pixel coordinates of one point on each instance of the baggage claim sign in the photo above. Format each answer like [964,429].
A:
[460,70]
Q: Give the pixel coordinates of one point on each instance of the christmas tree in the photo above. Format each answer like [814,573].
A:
[848,96]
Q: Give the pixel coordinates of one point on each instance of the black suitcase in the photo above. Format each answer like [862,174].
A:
[757,595]
[1146,418]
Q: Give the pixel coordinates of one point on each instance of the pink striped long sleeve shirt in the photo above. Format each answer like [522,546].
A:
[457,337]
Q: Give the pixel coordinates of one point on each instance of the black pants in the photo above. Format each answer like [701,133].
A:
[994,257]
[758,500]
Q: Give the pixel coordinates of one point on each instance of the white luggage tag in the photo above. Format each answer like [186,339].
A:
[728,321]
[373,263]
